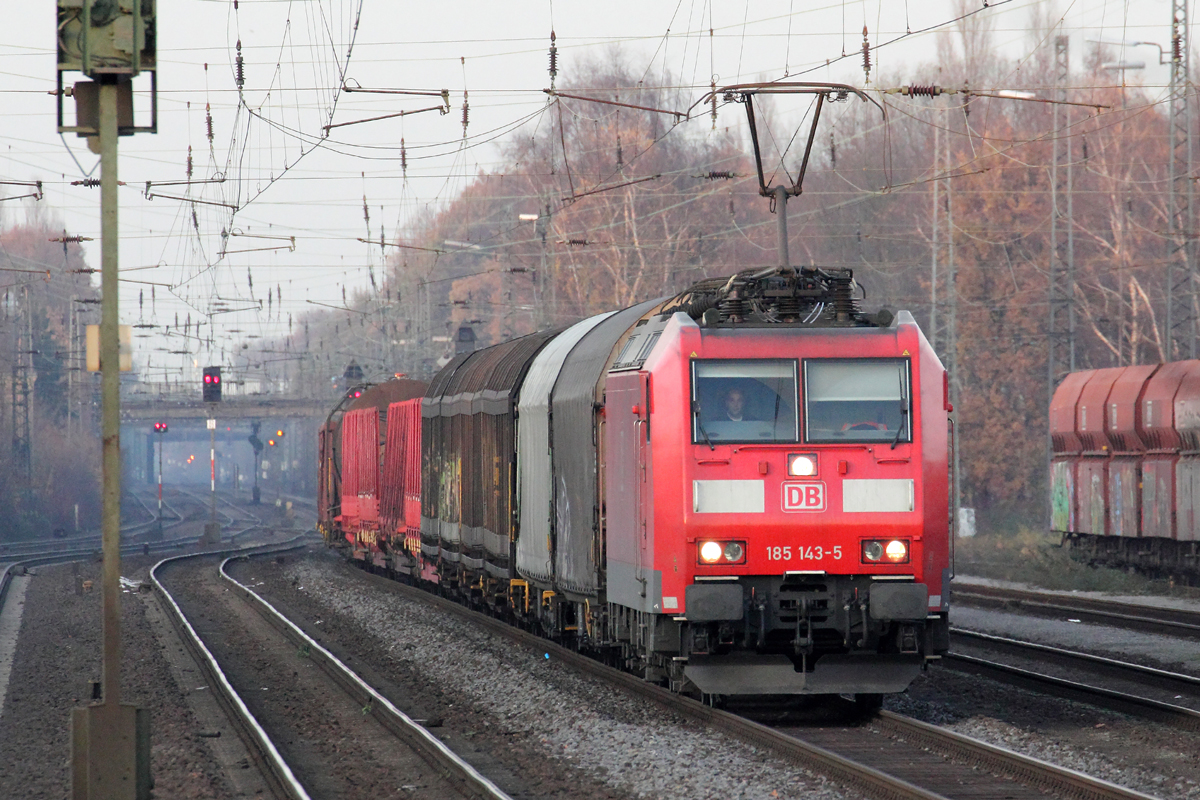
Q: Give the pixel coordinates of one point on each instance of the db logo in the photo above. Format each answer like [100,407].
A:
[804,496]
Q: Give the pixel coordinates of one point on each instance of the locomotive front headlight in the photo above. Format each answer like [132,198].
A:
[802,465]
[897,551]
[710,552]
[872,551]
[734,551]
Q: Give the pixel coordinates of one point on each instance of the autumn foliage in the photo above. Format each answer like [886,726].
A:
[943,207]
[42,372]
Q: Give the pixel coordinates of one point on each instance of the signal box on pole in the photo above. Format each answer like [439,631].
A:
[212,384]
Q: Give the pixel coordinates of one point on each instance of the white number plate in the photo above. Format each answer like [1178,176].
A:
[804,552]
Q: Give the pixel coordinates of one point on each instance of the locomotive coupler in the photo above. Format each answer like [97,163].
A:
[803,643]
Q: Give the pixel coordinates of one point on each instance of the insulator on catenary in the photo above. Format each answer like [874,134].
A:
[403,158]
[713,99]
[921,91]
[89,183]
[866,54]
[189,162]
[466,118]
[208,121]
[832,151]
[553,60]
[1176,48]
[240,67]
[719,175]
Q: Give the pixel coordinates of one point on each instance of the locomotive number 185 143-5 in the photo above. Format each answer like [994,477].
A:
[803,552]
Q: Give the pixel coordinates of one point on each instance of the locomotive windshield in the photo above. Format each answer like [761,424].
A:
[744,401]
[857,401]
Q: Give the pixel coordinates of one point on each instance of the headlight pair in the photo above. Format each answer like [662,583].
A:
[886,551]
[715,552]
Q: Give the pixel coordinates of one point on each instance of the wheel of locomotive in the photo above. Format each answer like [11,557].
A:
[868,704]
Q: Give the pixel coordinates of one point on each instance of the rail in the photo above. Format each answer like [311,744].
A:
[876,783]
[277,771]
[1144,707]
[1050,777]
[452,766]
[1132,616]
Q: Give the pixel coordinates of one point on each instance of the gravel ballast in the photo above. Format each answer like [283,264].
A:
[527,700]
[58,654]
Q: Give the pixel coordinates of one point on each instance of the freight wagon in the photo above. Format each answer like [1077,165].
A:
[1125,467]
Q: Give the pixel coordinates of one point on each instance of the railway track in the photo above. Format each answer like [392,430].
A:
[173,518]
[13,551]
[45,552]
[242,641]
[906,759]
[1129,685]
[1176,622]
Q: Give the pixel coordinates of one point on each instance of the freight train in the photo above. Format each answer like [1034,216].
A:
[1125,466]
[739,490]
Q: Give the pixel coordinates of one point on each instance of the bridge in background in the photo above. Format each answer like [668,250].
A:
[144,408]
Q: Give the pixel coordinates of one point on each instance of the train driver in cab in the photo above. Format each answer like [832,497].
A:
[735,404]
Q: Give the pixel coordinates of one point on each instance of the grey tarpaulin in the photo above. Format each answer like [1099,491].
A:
[577,394]
[535,542]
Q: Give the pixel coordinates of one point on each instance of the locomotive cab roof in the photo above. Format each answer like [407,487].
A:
[809,296]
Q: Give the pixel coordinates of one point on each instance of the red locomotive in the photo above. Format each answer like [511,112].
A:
[739,490]
[1125,472]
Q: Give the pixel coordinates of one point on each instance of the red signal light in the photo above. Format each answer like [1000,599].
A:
[212,385]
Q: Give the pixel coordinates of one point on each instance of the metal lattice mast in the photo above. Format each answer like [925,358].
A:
[1062,236]
[1181,312]
[22,375]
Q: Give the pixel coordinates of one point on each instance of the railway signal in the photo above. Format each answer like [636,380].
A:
[212,384]
[160,428]
[109,44]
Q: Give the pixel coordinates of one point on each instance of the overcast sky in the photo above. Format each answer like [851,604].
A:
[285,181]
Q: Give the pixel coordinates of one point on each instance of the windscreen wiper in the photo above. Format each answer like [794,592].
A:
[903,410]
[700,425]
